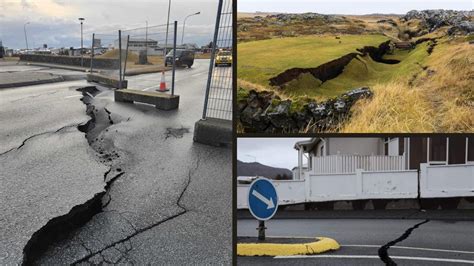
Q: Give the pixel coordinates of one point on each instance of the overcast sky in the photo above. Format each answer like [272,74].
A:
[276,152]
[350,7]
[55,22]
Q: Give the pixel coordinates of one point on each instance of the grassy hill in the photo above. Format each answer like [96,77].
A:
[428,90]
[261,60]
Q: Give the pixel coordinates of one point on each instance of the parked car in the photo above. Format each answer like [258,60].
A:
[223,58]
[183,58]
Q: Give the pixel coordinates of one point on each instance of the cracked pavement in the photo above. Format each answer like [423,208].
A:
[445,241]
[168,199]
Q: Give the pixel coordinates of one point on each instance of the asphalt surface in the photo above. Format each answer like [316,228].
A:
[168,199]
[435,242]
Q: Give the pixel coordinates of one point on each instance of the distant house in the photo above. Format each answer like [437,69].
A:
[413,169]
[410,152]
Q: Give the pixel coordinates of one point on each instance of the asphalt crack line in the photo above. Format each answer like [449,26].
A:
[86,258]
[110,116]
[37,135]
[383,250]
[139,231]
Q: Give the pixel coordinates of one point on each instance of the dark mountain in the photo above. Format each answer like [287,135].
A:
[254,169]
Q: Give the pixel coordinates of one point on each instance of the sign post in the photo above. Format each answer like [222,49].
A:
[262,202]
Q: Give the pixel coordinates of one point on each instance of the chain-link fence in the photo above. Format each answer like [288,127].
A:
[218,99]
[151,49]
[148,49]
[105,54]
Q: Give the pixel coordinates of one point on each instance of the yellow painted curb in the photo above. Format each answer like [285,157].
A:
[273,249]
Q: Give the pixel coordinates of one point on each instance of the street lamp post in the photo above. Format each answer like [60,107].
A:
[82,43]
[26,38]
[184,24]
[167,28]
[146,41]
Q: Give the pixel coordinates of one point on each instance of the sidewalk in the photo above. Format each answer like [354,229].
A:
[19,79]
[457,215]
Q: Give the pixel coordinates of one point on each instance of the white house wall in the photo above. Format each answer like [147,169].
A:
[333,187]
[392,185]
[447,181]
[363,185]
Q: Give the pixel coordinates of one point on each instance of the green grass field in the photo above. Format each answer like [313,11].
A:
[260,60]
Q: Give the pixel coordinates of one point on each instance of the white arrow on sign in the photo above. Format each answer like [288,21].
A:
[268,202]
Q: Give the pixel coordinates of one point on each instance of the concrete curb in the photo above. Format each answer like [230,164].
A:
[213,131]
[57,66]
[323,244]
[31,83]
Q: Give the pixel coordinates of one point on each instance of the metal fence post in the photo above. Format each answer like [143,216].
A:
[92,51]
[174,57]
[211,65]
[126,57]
[120,58]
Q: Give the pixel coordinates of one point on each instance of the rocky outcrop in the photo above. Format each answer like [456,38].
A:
[306,17]
[460,21]
[266,112]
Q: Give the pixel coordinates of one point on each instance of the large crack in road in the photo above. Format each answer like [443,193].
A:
[62,233]
[383,250]
[57,228]
[141,230]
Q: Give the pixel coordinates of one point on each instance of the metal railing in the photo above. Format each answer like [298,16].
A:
[218,98]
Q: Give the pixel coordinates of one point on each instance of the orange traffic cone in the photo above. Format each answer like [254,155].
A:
[163,83]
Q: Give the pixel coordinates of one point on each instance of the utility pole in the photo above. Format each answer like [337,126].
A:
[82,44]
[184,24]
[26,38]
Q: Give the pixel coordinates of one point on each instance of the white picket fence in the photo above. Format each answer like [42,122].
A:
[341,164]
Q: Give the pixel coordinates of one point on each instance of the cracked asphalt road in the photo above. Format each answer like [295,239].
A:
[170,198]
[365,237]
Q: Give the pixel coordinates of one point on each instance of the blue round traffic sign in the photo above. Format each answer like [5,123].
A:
[262,199]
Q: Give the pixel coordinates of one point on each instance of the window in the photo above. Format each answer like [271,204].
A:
[321,151]
[457,150]
[386,141]
[437,149]
[401,146]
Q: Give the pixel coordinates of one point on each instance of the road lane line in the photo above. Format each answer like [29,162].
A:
[373,257]
[414,248]
[73,96]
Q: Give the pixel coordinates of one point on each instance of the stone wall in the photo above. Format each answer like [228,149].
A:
[103,63]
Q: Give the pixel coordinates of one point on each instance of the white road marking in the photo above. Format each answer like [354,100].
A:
[373,257]
[145,89]
[168,86]
[414,248]
[198,74]
[73,96]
